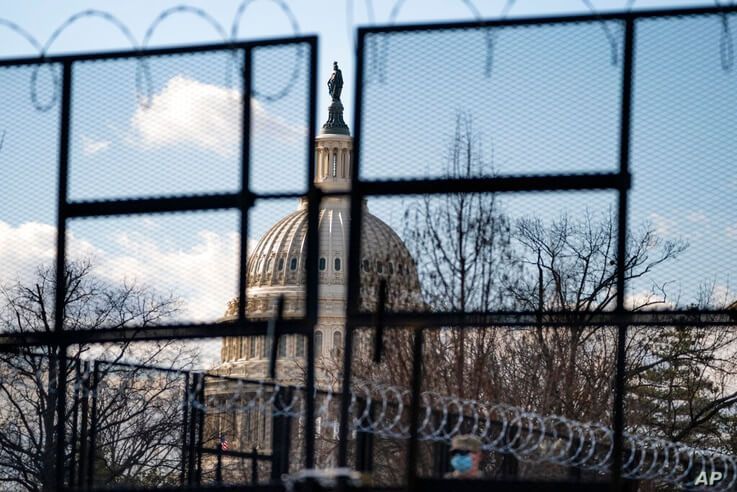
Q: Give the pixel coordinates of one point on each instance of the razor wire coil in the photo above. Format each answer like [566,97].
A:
[383,410]
[143,78]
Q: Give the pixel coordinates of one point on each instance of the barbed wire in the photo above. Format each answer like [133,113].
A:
[726,43]
[531,437]
[384,410]
[144,82]
[377,48]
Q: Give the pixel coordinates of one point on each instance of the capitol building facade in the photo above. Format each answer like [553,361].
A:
[276,267]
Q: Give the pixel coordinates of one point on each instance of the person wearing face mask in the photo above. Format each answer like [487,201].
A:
[465,456]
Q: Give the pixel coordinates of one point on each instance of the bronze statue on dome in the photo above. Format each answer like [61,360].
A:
[335,83]
[335,124]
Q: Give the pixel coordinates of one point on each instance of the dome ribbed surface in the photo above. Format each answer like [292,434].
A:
[279,257]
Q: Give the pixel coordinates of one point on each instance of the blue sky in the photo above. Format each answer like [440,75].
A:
[549,104]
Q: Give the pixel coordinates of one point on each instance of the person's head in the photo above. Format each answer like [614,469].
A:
[335,65]
[465,454]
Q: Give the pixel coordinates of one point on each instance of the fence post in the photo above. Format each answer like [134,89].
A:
[574,472]
[441,448]
[185,429]
[219,464]
[191,429]
[365,440]
[510,465]
[83,432]
[200,423]
[254,465]
[75,421]
[280,433]
[93,425]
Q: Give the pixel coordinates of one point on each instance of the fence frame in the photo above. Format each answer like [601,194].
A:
[619,181]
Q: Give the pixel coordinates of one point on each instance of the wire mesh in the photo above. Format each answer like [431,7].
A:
[546,101]
[234,420]
[152,270]
[181,135]
[29,147]
[528,99]
[682,156]
[280,119]
[489,252]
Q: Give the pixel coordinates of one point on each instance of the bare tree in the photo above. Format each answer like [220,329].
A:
[471,256]
[135,407]
[462,245]
[569,267]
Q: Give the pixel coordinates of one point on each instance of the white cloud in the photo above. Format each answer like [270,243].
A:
[92,147]
[663,225]
[25,248]
[698,218]
[205,115]
[647,301]
[204,275]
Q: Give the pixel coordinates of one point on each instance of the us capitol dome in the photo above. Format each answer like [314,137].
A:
[276,267]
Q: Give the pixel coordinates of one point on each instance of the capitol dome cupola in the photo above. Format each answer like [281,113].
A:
[334,145]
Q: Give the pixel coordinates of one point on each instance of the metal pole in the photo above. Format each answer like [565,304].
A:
[624,157]
[413,453]
[276,437]
[286,433]
[219,465]
[441,449]
[93,426]
[75,422]
[84,436]
[192,429]
[365,441]
[60,294]
[354,261]
[245,171]
[254,465]
[200,423]
[311,288]
[185,429]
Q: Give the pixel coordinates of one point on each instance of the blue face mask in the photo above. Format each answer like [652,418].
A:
[462,462]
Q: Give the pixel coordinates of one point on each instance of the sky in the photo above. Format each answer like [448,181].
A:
[542,101]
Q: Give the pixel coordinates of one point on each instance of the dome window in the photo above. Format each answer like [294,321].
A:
[293,264]
[379,267]
[366,265]
[282,348]
[318,343]
[335,164]
[280,264]
[323,264]
[299,346]
[337,265]
[337,342]
[391,268]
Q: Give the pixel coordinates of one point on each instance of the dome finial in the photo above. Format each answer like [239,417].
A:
[335,124]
